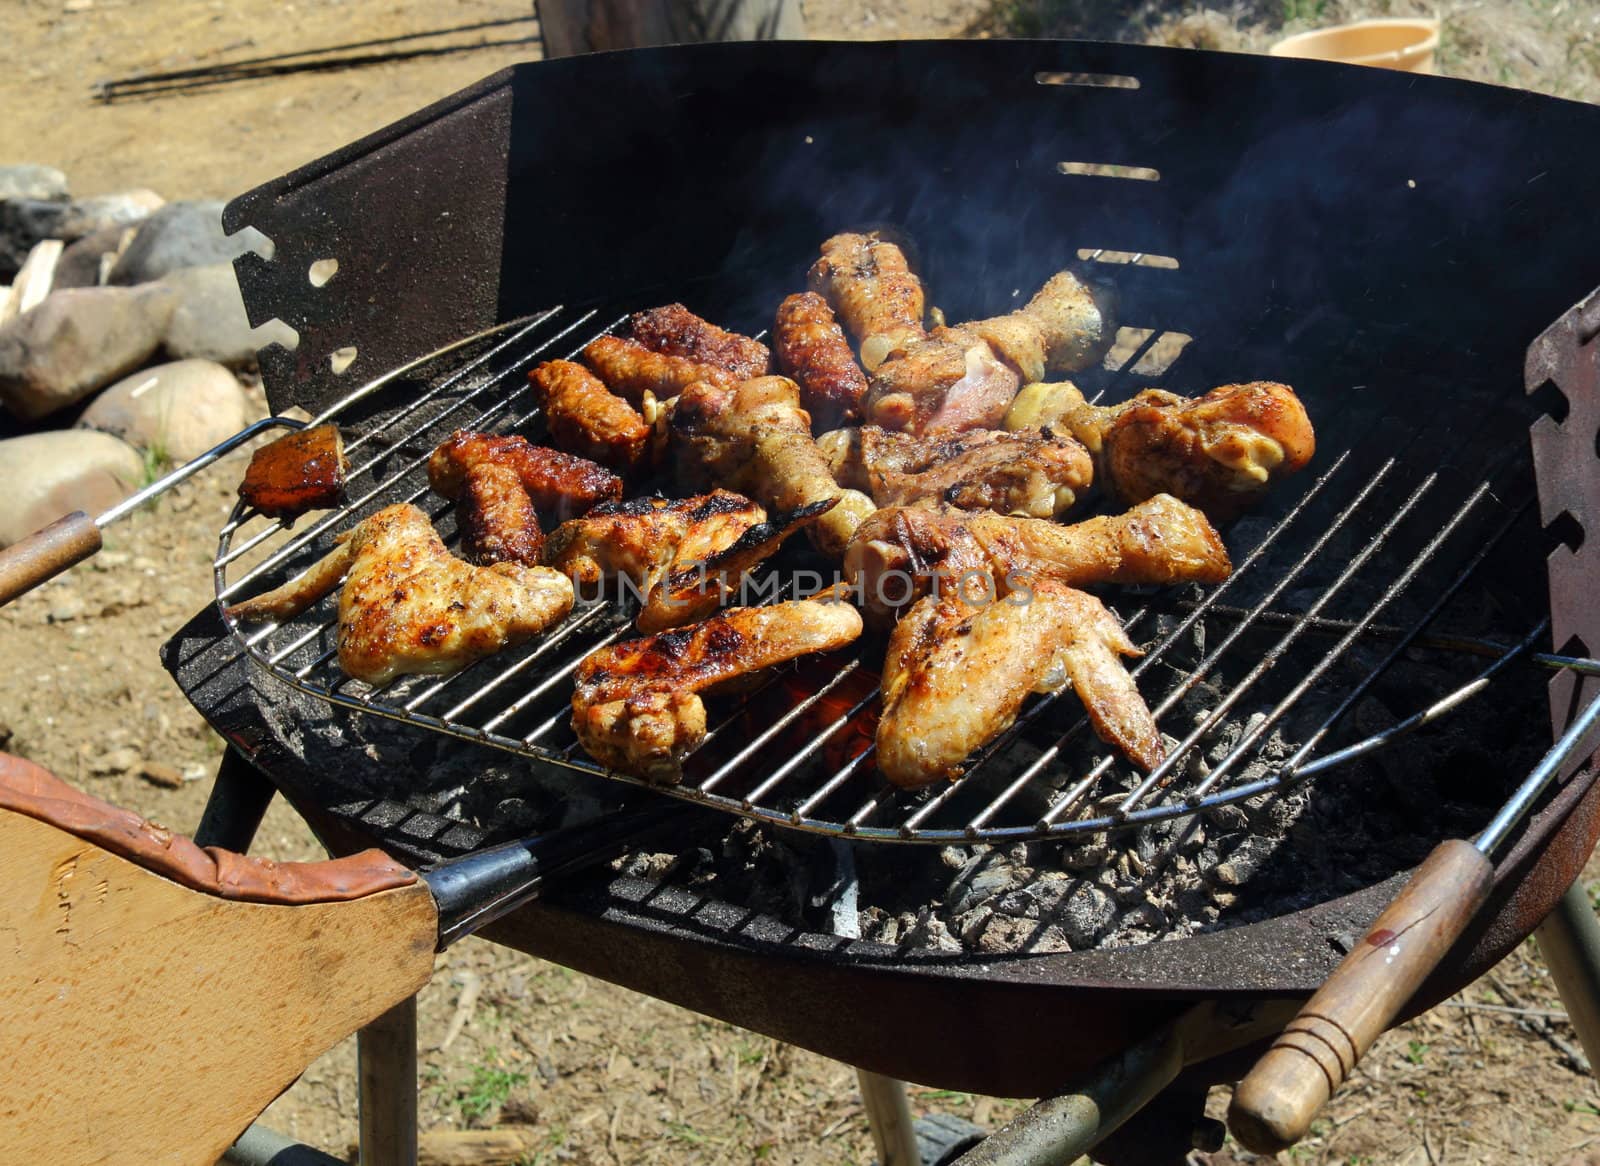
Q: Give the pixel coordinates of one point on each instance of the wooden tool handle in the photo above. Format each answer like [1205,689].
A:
[46,553]
[1273,1107]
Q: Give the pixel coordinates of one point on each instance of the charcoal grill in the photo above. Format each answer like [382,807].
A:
[1389,245]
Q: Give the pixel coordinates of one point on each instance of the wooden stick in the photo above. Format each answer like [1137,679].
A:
[46,553]
[1273,1107]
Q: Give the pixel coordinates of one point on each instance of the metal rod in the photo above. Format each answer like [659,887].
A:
[1534,784]
[192,467]
[260,1146]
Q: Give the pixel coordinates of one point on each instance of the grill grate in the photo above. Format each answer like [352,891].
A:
[1366,537]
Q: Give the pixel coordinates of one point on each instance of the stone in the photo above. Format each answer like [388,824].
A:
[78,341]
[28,180]
[51,474]
[176,411]
[209,321]
[24,222]
[79,265]
[118,760]
[161,774]
[183,234]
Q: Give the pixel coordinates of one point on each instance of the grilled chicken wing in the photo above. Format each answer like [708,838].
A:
[756,438]
[636,373]
[872,287]
[637,707]
[813,350]
[957,674]
[674,330]
[409,606]
[1217,452]
[560,485]
[1064,327]
[496,517]
[643,537]
[1035,474]
[587,418]
[900,552]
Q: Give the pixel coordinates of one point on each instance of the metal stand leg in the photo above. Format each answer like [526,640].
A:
[386,1052]
[239,798]
[1569,940]
[889,1116]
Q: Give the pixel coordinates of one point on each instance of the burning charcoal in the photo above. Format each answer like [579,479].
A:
[1084,914]
[985,876]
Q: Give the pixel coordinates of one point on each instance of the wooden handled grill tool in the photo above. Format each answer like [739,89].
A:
[158,996]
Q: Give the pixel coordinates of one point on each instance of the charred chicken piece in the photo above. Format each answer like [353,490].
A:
[1035,474]
[409,606]
[637,706]
[812,349]
[674,330]
[496,517]
[756,438]
[588,419]
[636,373]
[560,485]
[869,283]
[642,538]
[300,471]
[956,676]
[899,553]
[946,382]
[1217,452]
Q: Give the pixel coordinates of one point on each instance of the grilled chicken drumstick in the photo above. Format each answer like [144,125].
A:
[1217,452]
[898,553]
[588,419]
[560,485]
[873,289]
[965,377]
[409,606]
[496,517]
[637,706]
[674,330]
[635,372]
[757,439]
[813,350]
[1035,474]
[956,675]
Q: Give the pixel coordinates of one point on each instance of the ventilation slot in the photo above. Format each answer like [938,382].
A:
[340,360]
[1152,353]
[1550,401]
[322,271]
[1110,170]
[1135,258]
[1090,80]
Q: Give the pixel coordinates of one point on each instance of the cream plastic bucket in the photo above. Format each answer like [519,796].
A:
[1389,44]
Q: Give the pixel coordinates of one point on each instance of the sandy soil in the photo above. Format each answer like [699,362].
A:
[598,1074]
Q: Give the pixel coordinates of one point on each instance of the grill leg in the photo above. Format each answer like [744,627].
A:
[239,798]
[1569,940]
[386,1053]
[889,1117]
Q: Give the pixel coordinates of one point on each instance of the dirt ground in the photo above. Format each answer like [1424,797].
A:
[594,1073]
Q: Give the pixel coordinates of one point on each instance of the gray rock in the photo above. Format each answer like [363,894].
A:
[183,234]
[1084,913]
[209,321]
[78,341]
[28,180]
[51,474]
[176,410]
[79,265]
[24,222]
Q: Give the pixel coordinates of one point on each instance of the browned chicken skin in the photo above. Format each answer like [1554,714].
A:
[559,484]
[757,439]
[674,330]
[496,517]
[409,606]
[637,708]
[1217,452]
[812,349]
[1033,474]
[586,418]
[956,675]
[899,553]
[638,374]
[873,289]
[642,538]
[298,472]
[1065,326]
